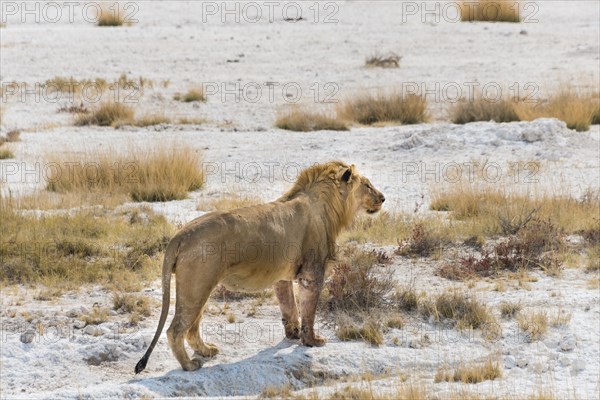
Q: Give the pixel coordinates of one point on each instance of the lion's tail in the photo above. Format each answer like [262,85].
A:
[169,262]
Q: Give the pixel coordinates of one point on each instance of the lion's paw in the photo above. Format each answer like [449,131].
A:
[314,341]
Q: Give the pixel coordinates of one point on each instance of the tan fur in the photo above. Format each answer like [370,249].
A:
[255,247]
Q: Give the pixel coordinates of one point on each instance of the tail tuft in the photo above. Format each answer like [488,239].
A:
[141,365]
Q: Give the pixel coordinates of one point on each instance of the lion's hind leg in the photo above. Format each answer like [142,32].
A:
[176,334]
[195,340]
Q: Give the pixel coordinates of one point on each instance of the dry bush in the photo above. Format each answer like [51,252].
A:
[358,283]
[465,310]
[577,108]
[370,109]
[107,114]
[303,120]
[85,247]
[422,242]
[406,298]
[193,94]
[48,294]
[480,109]
[473,373]
[131,303]
[370,331]
[390,60]
[490,11]
[97,316]
[510,309]
[534,324]
[111,15]
[534,246]
[163,174]
[593,260]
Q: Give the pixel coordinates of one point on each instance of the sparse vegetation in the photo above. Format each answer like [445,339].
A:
[390,60]
[85,247]
[227,202]
[130,303]
[151,119]
[97,316]
[163,174]
[510,309]
[474,373]
[465,310]
[423,242]
[194,94]
[533,324]
[490,11]
[560,318]
[358,283]
[406,298]
[384,108]
[578,108]
[107,114]
[370,331]
[111,16]
[481,109]
[302,120]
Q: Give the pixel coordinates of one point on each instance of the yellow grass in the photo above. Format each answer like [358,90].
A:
[111,15]
[368,109]
[193,94]
[107,114]
[163,174]
[533,324]
[578,108]
[302,120]
[228,202]
[490,11]
[465,310]
[472,373]
[480,109]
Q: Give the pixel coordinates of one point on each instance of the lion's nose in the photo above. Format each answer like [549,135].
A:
[382,198]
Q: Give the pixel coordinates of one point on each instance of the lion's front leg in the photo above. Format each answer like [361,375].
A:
[310,288]
[289,311]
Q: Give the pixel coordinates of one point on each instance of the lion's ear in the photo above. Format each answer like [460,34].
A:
[347,175]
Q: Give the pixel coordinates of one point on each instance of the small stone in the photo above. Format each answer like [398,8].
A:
[578,365]
[522,362]
[27,337]
[112,313]
[540,367]
[510,362]
[564,360]
[568,343]
[93,330]
[78,324]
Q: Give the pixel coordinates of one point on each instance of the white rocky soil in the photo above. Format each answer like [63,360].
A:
[244,155]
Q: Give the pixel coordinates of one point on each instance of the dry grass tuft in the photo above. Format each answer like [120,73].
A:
[560,318]
[490,11]
[534,324]
[358,283]
[132,304]
[459,307]
[97,316]
[193,94]
[406,298]
[149,120]
[390,60]
[370,331]
[474,373]
[6,154]
[274,392]
[111,15]
[13,136]
[480,109]
[107,114]
[302,120]
[579,109]
[371,109]
[423,242]
[510,309]
[163,174]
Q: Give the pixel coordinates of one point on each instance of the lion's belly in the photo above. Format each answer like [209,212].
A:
[250,278]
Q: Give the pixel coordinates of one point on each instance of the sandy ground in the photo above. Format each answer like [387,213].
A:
[244,155]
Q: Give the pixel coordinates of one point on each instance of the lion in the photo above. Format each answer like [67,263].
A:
[253,248]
